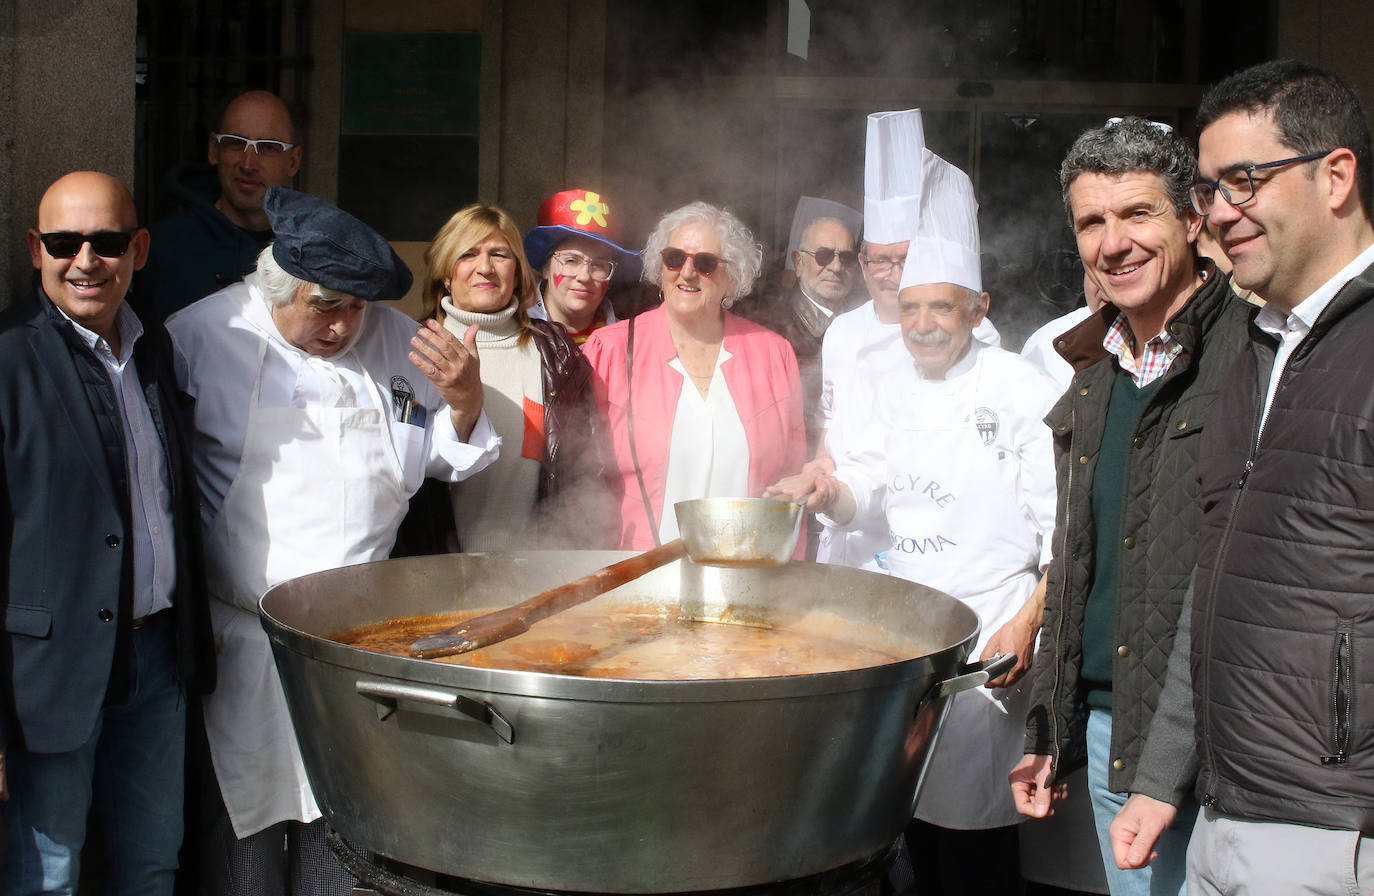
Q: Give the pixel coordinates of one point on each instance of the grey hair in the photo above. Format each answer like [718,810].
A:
[743,257]
[1130,145]
[276,284]
[829,219]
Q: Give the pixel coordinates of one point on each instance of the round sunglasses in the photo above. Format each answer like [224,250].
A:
[704,262]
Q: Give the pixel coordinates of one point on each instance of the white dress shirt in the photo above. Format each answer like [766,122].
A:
[150,496]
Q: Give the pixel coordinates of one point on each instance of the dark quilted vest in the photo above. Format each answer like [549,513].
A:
[1283,619]
[1159,521]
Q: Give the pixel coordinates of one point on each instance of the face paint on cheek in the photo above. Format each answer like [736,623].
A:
[558,279]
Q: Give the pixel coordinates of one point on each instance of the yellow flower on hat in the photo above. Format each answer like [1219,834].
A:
[590,208]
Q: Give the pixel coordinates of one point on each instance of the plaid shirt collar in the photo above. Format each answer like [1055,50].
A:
[1155,356]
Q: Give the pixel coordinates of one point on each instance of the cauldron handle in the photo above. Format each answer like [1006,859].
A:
[979,673]
[388,694]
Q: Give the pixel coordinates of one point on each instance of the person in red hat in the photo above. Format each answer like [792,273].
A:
[575,250]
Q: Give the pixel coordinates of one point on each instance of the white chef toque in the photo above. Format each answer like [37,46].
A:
[809,208]
[892,175]
[945,247]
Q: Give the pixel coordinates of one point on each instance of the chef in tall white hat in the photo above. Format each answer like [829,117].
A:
[862,344]
[957,467]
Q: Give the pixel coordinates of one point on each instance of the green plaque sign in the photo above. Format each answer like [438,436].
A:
[411,83]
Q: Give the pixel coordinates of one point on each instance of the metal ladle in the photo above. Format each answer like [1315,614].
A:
[715,532]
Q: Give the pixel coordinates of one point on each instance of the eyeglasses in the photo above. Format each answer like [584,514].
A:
[704,262]
[881,266]
[68,243]
[572,262]
[1238,187]
[826,254]
[266,148]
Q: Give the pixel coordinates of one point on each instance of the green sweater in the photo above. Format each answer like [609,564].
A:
[1109,486]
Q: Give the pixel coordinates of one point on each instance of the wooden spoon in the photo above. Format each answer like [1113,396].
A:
[489,628]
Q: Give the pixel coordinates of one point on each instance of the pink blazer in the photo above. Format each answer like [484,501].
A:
[763,381]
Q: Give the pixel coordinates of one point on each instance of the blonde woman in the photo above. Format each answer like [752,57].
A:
[546,489]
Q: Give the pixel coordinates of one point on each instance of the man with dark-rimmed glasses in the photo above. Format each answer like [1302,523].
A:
[216,240]
[1281,620]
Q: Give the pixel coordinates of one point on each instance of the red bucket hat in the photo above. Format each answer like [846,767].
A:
[572,213]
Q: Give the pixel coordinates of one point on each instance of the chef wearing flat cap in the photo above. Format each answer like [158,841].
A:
[318,414]
[957,468]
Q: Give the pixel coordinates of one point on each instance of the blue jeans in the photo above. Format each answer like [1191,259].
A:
[130,772]
[1165,875]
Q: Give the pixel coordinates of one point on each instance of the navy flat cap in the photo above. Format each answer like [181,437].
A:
[322,244]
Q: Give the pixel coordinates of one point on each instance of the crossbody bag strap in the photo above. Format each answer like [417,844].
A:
[630,427]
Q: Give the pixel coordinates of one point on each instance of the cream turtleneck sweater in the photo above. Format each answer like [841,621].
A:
[493,510]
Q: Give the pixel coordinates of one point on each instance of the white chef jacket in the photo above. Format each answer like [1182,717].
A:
[858,358]
[961,471]
[217,341]
[1039,346]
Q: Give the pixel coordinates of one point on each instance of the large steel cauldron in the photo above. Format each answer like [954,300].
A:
[564,783]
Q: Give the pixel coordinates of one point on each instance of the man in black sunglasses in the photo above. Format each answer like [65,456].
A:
[106,624]
[216,240]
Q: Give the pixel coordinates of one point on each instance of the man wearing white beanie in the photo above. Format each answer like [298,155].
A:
[957,467]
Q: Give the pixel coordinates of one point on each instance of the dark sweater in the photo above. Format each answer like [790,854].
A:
[1109,483]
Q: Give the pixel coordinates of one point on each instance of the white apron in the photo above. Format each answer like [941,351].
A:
[317,488]
[957,526]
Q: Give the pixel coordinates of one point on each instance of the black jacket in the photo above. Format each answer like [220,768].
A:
[1283,615]
[193,253]
[1160,515]
[64,529]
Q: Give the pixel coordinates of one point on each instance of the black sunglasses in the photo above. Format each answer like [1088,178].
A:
[68,243]
[704,262]
[826,254]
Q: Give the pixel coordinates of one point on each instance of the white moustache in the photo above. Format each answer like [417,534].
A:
[932,339]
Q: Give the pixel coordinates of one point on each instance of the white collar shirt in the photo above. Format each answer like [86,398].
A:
[1290,329]
[150,496]
[825,312]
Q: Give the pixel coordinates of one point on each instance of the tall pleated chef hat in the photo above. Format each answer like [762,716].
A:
[945,247]
[318,243]
[892,175]
[809,208]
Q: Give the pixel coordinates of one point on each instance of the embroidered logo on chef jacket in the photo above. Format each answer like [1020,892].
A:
[988,425]
[404,408]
